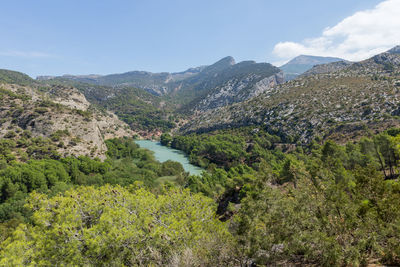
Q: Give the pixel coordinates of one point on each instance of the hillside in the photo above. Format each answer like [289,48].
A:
[328,67]
[145,113]
[59,119]
[342,104]
[239,83]
[302,63]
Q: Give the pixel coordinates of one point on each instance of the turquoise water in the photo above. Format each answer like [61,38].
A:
[163,153]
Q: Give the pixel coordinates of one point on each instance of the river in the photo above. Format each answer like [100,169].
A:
[163,153]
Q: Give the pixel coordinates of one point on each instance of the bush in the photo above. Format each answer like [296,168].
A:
[129,228]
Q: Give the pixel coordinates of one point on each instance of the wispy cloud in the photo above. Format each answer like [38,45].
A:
[356,37]
[25,54]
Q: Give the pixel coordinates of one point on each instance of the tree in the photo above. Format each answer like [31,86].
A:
[387,154]
[166,139]
[114,226]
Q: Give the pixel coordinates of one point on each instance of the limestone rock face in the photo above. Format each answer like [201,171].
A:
[238,90]
[59,109]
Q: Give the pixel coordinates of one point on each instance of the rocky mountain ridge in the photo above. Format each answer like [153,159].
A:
[191,85]
[238,90]
[362,96]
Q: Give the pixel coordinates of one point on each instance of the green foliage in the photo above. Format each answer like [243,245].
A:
[166,139]
[127,164]
[227,148]
[11,94]
[8,76]
[327,222]
[116,227]
[169,168]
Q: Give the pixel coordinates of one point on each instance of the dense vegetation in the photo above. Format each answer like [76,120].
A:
[277,194]
[317,204]
[49,174]
[323,204]
[113,226]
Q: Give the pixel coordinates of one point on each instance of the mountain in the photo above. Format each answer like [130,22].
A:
[302,63]
[53,119]
[144,112]
[155,83]
[221,83]
[344,103]
[238,83]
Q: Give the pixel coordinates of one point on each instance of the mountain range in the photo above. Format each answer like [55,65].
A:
[334,100]
[338,100]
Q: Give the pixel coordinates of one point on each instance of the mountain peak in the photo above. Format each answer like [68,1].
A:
[394,50]
[303,63]
[226,61]
[220,65]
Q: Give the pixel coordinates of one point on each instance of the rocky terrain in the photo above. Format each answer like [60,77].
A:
[325,68]
[360,97]
[60,114]
[238,90]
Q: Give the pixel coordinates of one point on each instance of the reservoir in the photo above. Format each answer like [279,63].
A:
[163,153]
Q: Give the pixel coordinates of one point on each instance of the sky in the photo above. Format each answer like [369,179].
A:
[48,37]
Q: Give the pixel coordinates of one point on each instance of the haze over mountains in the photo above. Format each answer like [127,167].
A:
[303,63]
[165,82]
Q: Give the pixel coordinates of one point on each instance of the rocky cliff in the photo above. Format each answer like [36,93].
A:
[59,113]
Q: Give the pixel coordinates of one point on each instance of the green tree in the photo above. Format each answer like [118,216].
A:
[113,226]
[166,139]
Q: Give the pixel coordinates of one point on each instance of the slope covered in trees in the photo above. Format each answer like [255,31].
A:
[279,190]
[322,204]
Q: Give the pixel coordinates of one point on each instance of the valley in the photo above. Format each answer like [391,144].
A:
[256,165]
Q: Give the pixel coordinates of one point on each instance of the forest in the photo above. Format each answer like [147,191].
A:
[259,201]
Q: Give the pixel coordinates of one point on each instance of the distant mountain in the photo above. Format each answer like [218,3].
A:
[223,82]
[302,63]
[155,83]
[394,50]
[344,103]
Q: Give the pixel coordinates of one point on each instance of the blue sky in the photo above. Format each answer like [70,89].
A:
[83,37]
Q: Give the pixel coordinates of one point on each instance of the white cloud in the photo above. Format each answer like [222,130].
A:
[356,37]
[24,54]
